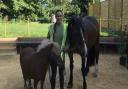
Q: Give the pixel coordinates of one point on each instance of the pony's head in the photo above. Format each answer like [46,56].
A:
[53,51]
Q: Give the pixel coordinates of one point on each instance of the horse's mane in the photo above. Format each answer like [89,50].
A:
[74,19]
[47,42]
[77,22]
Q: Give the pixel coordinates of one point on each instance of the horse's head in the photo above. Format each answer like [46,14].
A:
[75,33]
[74,29]
[52,51]
[74,25]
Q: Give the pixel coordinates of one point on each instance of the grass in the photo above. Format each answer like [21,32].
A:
[21,30]
[109,32]
[35,30]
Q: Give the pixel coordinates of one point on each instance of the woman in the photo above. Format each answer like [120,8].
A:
[57,34]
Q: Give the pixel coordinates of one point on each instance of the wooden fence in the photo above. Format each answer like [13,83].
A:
[113,13]
[5,22]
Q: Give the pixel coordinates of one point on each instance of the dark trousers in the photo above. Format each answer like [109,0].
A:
[53,77]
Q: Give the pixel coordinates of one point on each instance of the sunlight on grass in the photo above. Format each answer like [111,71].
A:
[21,30]
[35,30]
[104,34]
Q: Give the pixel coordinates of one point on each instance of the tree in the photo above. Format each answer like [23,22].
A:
[2,6]
[84,5]
[14,8]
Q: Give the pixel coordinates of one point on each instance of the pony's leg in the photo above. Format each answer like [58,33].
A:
[35,83]
[42,83]
[61,76]
[70,83]
[53,77]
[84,71]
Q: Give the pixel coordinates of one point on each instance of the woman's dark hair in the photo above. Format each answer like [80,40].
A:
[58,11]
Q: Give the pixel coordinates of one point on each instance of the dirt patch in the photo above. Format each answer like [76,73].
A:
[111,74]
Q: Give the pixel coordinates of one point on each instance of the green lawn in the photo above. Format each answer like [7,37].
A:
[109,33]
[35,30]
[21,30]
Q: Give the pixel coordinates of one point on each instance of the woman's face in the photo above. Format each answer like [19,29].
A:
[59,17]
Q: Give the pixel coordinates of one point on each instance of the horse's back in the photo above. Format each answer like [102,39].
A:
[90,18]
[90,23]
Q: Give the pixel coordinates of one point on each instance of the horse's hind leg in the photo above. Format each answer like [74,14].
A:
[96,61]
[70,83]
[84,69]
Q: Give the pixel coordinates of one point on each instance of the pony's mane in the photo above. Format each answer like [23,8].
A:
[47,42]
[43,44]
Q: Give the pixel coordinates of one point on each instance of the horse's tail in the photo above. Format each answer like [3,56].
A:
[91,56]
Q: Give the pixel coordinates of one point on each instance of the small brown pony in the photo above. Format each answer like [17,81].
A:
[34,64]
[83,38]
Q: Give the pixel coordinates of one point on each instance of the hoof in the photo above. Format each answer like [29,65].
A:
[85,87]
[69,86]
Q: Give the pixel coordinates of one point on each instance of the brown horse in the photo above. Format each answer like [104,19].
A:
[34,64]
[83,38]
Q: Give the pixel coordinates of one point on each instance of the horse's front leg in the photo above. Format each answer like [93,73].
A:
[84,70]
[70,83]
[25,83]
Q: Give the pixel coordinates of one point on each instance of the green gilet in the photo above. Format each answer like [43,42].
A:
[51,34]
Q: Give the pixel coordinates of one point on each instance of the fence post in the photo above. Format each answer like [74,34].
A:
[121,16]
[19,22]
[5,25]
[28,23]
[109,14]
[100,24]
[20,19]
